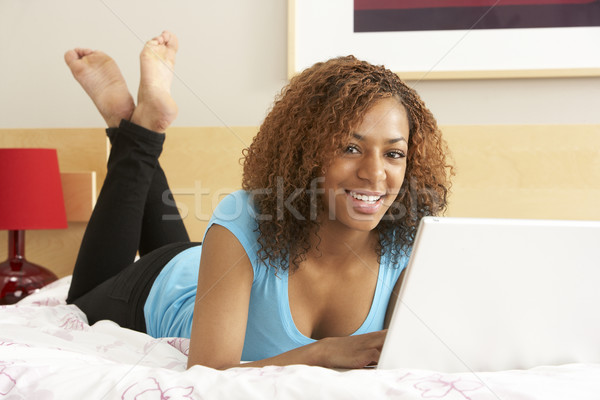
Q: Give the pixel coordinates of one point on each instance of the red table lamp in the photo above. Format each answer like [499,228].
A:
[31,197]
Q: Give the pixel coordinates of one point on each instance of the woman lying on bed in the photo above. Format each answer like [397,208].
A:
[298,267]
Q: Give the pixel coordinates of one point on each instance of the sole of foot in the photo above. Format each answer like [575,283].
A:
[102,80]
[156,109]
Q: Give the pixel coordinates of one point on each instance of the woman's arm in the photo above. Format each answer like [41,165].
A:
[222,300]
[221,313]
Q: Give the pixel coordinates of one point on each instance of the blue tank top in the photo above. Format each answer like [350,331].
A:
[270,329]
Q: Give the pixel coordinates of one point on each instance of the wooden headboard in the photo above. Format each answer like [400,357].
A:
[505,171]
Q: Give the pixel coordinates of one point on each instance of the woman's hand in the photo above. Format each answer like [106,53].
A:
[350,351]
[334,352]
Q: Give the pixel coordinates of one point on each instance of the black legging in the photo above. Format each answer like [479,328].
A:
[129,216]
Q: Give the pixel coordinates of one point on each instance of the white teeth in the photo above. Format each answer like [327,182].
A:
[363,197]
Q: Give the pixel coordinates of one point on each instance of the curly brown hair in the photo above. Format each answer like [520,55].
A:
[310,123]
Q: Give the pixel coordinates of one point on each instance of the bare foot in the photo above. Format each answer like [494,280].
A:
[101,79]
[156,108]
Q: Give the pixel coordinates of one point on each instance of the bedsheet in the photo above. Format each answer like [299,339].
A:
[48,351]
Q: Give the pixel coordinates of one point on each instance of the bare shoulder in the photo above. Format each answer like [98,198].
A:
[222,253]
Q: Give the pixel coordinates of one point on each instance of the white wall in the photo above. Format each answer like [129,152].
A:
[231,63]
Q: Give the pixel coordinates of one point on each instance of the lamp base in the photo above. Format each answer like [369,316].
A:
[19,278]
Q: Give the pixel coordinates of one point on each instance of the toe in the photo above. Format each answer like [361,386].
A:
[172,41]
[71,56]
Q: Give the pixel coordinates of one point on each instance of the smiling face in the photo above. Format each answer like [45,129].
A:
[361,184]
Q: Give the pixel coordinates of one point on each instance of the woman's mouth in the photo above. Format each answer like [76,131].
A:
[366,198]
[365,203]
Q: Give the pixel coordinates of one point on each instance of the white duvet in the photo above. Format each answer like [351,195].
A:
[48,352]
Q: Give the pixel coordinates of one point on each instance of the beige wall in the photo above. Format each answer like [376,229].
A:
[232,61]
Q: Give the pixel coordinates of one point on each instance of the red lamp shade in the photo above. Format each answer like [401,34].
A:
[31,197]
[31,194]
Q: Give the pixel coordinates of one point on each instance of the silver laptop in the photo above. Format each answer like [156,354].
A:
[497,294]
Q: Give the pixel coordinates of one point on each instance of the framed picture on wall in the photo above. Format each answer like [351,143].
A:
[450,39]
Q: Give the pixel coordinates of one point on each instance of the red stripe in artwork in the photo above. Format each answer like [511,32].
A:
[406,4]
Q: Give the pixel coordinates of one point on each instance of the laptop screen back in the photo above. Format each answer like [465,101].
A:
[494,294]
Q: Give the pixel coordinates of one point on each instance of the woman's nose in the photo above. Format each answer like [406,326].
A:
[372,168]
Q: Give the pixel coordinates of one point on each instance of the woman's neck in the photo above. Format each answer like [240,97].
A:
[333,246]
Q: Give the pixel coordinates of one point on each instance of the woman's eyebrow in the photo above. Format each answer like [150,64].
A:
[360,137]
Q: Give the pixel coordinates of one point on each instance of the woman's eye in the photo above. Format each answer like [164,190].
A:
[351,149]
[397,154]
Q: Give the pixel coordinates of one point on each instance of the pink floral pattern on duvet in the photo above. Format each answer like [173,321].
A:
[436,386]
[150,389]
[10,373]
[49,352]
[7,381]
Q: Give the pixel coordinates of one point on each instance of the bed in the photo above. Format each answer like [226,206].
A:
[48,351]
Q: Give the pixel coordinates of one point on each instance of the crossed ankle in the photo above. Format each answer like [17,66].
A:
[141,132]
